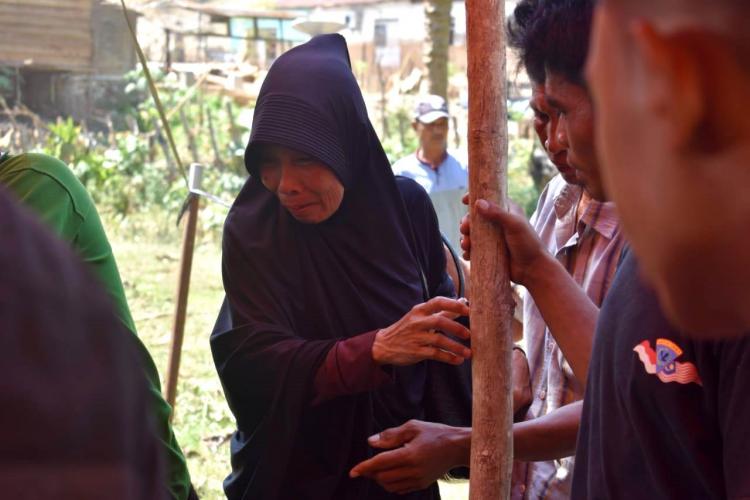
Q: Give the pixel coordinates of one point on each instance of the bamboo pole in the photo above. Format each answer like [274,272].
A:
[183,287]
[153,91]
[491,301]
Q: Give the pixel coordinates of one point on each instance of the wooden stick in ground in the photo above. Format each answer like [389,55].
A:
[491,301]
[183,287]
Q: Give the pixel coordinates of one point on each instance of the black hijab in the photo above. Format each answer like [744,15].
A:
[294,289]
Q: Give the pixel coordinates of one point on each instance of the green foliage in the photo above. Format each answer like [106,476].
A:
[130,169]
[516,115]
[402,139]
[66,142]
[521,188]
[8,80]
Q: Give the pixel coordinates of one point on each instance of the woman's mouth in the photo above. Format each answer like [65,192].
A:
[297,207]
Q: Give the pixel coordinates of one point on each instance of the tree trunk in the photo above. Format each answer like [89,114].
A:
[437,45]
[491,301]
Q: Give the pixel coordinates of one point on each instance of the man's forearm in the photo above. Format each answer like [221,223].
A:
[548,437]
[568,312]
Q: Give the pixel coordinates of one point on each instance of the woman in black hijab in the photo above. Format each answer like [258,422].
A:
[327,262]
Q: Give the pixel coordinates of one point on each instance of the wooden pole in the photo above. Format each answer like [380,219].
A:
[183,287]
[491,301]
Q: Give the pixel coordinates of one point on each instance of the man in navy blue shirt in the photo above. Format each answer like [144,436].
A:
[665,415]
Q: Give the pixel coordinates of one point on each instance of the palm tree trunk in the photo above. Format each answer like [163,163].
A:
[437,45]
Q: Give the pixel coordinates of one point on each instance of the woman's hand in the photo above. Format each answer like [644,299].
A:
[419,454]
[417,336]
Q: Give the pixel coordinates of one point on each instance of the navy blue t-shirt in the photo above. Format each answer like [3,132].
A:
[664,416]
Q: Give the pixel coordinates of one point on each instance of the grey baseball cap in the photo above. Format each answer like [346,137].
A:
[430,108]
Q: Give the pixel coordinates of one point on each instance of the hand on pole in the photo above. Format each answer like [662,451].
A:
[418,335]
[524,247]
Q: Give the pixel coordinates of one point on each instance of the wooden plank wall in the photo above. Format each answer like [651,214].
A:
[53,34]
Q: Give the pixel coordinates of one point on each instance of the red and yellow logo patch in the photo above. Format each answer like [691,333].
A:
[663,363]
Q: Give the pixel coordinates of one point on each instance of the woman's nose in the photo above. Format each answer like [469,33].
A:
[288,181]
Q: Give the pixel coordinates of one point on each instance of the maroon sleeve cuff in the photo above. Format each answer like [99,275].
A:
[349,369]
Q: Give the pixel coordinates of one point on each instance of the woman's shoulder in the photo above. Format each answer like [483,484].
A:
[411,191]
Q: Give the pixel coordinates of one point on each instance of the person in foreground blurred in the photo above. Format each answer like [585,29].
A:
[579,227]
[340,318]
[670,80]
[668,406]
[49,188]
[76,423]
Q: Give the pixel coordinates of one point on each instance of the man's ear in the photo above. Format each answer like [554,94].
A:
[415,126]
[672,82]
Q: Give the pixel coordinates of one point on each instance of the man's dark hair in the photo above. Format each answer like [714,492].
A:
[552,35]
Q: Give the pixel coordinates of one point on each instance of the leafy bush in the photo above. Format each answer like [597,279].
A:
[521,188]
[402,139]
[130,170]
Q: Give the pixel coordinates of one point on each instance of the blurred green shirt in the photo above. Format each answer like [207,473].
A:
[49,188]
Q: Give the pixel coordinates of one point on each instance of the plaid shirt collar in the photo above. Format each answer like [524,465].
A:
[600,216]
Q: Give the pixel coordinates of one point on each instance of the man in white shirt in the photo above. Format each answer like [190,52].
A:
[443,176]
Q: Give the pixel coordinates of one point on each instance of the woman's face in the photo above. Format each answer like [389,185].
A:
[305,186]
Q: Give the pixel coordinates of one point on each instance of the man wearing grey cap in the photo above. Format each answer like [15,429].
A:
[443,176]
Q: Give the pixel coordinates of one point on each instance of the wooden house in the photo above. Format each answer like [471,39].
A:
[67,54]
